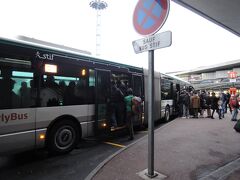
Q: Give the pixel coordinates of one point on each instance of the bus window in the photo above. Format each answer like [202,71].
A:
[166,89]
[137,86]
[24,88]
[16,90]
[122,80]
[103,89]
[60,90]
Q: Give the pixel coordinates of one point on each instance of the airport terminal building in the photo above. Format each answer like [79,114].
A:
[215,77]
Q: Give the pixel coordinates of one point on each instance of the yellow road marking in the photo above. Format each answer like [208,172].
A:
[114,144]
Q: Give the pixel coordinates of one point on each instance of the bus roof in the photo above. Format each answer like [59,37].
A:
[177,78]
[49,44]
[68,51]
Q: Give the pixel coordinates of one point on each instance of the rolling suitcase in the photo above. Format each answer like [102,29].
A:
[237,126]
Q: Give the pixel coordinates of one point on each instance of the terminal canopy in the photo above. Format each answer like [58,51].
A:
[225,13]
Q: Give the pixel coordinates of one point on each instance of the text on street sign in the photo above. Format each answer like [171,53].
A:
[156,41]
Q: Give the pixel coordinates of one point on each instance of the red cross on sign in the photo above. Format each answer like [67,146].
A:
[232,74]
[150,15]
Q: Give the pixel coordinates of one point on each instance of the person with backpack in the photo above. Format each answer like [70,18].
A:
[129,113]
[234,103]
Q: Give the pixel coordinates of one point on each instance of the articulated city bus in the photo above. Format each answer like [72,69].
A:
[53,96]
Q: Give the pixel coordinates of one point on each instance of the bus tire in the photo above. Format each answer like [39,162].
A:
[167,114]
[63,137]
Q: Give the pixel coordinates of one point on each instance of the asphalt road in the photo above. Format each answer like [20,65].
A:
[38,165]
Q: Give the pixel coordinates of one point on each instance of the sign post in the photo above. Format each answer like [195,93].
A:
[149,16]
[150,114]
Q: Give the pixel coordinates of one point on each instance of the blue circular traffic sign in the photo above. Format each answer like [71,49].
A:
[150,15]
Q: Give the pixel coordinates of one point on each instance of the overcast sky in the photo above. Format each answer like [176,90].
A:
[195,41]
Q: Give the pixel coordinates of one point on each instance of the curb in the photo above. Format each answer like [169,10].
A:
[102,164]
[223,172]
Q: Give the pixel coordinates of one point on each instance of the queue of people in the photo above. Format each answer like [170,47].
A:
[194,104]
[124,106]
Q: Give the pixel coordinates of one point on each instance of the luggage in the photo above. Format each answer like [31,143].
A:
[237,126]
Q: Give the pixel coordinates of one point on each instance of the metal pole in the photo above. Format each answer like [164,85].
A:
[150,114]
[98,5]
[98,34]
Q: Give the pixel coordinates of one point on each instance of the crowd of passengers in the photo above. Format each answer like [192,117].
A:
[124,106]
[194,104]
[51,93]
[71,94]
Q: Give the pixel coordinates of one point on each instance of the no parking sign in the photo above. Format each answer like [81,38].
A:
[150,15]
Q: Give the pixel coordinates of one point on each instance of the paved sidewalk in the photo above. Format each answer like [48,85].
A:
[185,149]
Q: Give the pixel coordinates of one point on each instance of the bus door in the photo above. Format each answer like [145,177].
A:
[102,94]
[137,85]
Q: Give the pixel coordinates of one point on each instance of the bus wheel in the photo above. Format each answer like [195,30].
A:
[167,114]
[63,137]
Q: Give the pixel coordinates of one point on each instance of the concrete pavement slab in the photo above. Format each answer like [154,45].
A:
[185,149]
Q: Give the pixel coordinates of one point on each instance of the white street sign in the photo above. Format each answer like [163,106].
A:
[233,80]
[157,41]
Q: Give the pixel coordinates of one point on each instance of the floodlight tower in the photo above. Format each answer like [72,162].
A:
[98,5]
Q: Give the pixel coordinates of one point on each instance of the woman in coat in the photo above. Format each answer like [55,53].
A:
[195,104]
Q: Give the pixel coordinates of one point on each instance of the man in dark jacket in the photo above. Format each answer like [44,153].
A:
[181,98]
[208,105]
[214,104]
[115,103]
[227,102]
[186,104]
[202,103]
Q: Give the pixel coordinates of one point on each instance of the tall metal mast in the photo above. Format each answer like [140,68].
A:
[98,5]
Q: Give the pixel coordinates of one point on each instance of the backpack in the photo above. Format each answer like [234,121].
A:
[136,105]
[234,102]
